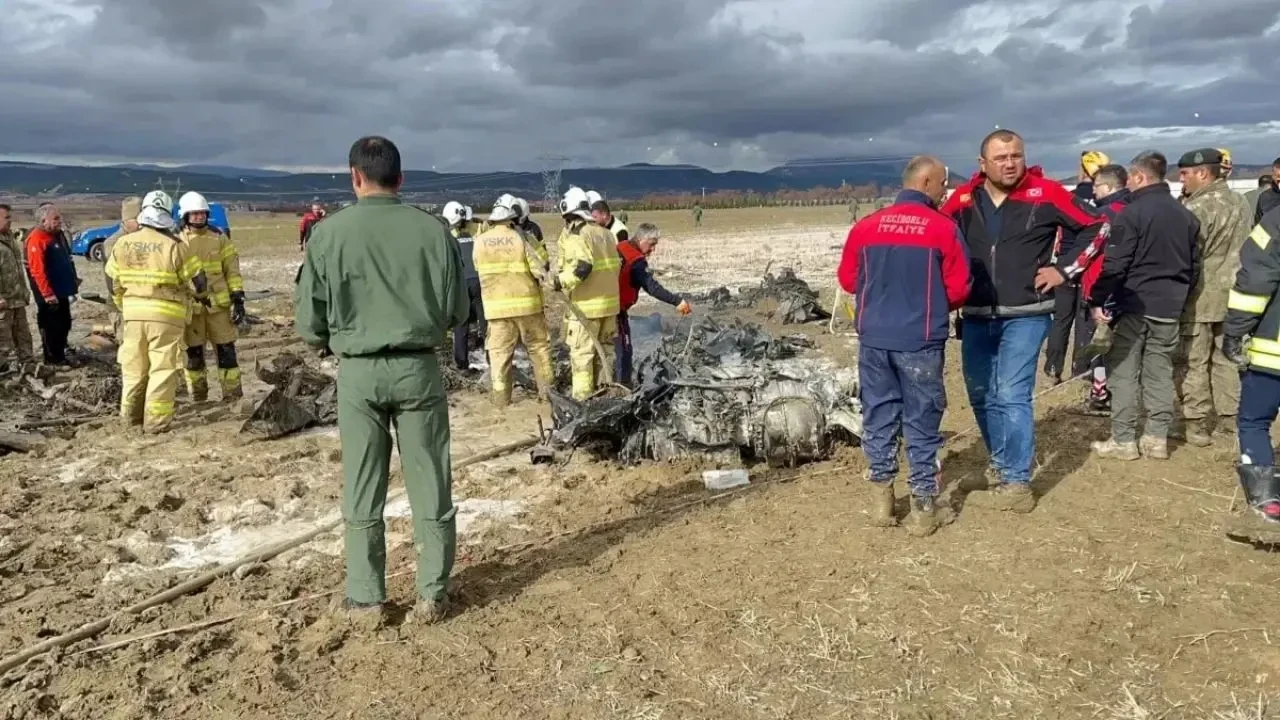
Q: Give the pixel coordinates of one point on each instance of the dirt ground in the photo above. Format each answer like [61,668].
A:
[590,590]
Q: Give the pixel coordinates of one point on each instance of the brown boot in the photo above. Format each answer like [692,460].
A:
[362,617]
[1154,448]
[927,515]
[1226,425]
[1110,449]
[1014,497]
[1196,433]
[500,398]
[882,505]
[429,612]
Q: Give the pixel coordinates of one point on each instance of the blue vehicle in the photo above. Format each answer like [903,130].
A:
[89,242]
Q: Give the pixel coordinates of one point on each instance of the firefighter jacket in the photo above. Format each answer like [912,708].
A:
[1225,218]
[588,269]
[1251,306]
[151,273]
[509,271]
[13,280]
[220,262]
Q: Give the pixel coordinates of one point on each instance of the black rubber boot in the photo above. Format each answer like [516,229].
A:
[1261,490]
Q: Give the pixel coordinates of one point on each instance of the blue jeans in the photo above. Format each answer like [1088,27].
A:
[1259,401]
[902,393]
[999,357]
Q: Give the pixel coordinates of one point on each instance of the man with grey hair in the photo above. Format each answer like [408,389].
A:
[634,276]
[1148,269]
[53,280]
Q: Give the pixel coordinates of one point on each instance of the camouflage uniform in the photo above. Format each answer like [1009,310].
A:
[129,210]
[1208,383]
[15,295]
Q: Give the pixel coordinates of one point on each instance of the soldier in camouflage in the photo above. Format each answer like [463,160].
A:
[15,295]
[1207,382]
[129,210]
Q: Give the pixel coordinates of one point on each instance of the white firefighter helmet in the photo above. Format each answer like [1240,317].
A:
[454,213]
[575,202]
[159,200]
[524,207]
[192,202]
[509,200]
[593,197]
[468,212]
[504,209]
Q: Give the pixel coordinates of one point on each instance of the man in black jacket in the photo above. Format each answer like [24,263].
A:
[1268,199]
[1009,215]
[1148,270]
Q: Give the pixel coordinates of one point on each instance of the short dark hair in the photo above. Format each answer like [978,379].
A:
[1266,180]
[1001,135]
[1153,163]
[1275,163]
[1113,175]
[6,206]
[378,159]
[600,206]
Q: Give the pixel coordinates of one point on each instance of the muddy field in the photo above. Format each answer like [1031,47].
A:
[588,590]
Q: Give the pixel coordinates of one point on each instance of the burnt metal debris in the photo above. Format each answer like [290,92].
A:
[784,297]
[301,396]
[722,390]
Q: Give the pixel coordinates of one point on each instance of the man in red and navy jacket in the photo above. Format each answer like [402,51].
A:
[1010,216]
[308,223]
[634,277]
[908,269]
[1110,196]
[54,282]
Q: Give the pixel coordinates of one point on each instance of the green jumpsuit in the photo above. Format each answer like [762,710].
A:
[381,286]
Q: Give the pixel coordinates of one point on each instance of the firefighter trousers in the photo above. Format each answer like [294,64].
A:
[150,359]
[589,370]
[377,393]
[214,327]
[500,342]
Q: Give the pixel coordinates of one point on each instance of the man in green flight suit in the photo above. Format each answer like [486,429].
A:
[381,286]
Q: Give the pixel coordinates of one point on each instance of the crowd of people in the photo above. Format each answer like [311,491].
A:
[1163,291]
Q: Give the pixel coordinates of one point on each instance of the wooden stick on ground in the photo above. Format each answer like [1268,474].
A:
[20,441]
[90,629]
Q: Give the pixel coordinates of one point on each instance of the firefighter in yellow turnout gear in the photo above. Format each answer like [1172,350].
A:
[150,275]
[587,273]
[510,270]
[215,324]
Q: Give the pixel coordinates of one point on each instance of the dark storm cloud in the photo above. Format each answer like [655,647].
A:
[493,84]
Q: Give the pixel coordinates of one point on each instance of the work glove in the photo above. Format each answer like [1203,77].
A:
[205,301]
[684,308]
[1233,350]
[237,308]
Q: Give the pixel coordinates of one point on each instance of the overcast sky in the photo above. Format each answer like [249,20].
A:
[479,85]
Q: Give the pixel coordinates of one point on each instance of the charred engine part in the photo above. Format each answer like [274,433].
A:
[785,297]
[719,391]
[301,396]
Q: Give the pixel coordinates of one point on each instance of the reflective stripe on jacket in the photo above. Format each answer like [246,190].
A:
[150,272]
[220,262]
[581,242]
[508,272]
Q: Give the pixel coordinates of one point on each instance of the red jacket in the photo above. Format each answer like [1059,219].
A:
[628,291]
[908,268]
[49,264]
[1110,207]
[309,221]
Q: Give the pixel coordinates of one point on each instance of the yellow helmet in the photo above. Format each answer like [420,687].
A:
[1091,161]
[1226,160]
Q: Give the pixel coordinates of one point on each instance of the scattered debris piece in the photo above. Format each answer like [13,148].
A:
[783,297]
[301,396]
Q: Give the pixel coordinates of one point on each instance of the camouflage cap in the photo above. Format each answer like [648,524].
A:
[130,208]
[1203,156]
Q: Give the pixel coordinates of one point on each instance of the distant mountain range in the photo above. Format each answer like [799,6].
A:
[628,182]
[625,182]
